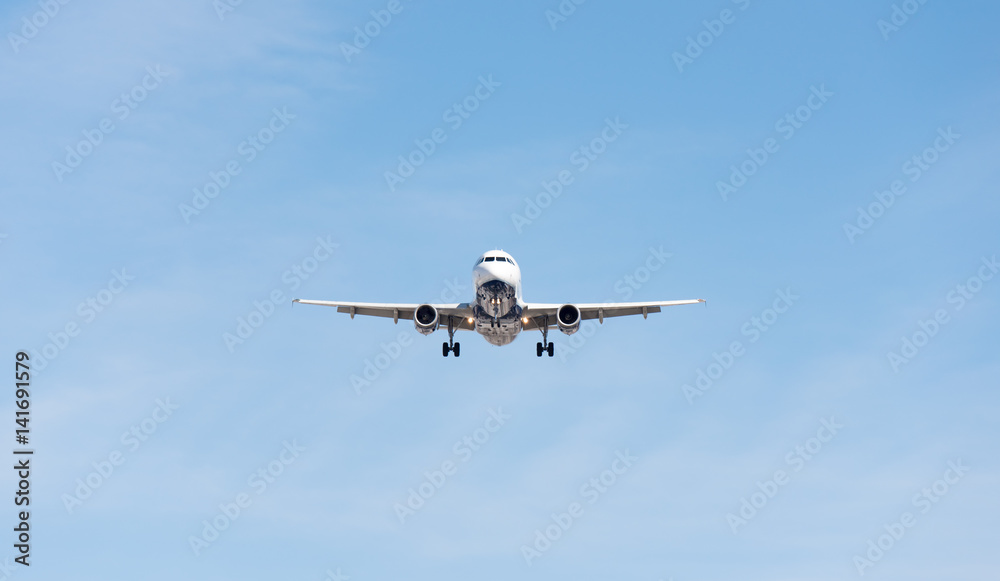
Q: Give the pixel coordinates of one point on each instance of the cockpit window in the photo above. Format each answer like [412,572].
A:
[479,261]
[489,259]
[501,259]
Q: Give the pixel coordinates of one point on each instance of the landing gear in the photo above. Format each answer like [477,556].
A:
[545,346]
[450,345]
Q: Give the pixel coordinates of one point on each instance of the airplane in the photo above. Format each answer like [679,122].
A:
[498,312]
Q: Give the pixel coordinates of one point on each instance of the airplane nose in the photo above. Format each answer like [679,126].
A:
[489,270]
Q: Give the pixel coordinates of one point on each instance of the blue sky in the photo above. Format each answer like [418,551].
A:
[863,440]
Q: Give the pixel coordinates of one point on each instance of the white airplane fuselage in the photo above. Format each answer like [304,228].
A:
[498,306]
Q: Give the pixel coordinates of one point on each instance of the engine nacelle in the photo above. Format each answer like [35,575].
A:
[568,318]
[425,319]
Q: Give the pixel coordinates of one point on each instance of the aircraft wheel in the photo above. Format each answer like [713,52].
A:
[444,349]
[455,349]
[538,349]
[551,349]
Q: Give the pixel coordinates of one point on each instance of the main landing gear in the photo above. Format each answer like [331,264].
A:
[545,346]
[450,345]
[550,349]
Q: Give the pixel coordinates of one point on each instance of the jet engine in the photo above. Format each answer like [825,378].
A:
[568,317]
[425,318]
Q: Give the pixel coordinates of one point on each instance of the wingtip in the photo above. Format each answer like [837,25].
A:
[295,300]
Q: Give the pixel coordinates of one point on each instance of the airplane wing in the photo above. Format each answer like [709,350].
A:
[396,311]
[536,313]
